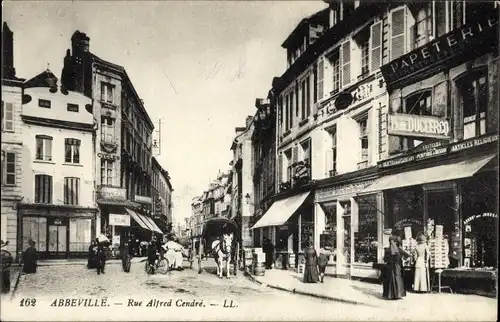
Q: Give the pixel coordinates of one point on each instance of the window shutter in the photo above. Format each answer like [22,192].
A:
[328,162]
[295,154]
[440,13]
[398,23]
[321,72]
[376,45]
[280,168]
[9,117]
[346,63]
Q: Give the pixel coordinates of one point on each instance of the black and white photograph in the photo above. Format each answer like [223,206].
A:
[293,160]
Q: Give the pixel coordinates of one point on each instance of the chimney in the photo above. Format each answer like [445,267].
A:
[8,70]
[80,42]
[248,120]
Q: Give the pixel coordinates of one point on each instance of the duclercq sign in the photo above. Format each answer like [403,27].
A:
[418,126]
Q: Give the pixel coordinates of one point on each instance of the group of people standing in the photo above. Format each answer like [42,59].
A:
[315,265]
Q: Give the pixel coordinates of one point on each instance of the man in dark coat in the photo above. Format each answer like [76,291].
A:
[268,249]
[30,256]
[100,258]
[91,255]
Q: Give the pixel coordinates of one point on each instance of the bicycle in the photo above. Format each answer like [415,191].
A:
[161,265]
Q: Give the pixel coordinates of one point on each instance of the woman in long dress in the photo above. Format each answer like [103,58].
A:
[393,272]
[30,257]
[421,283]
[311,269]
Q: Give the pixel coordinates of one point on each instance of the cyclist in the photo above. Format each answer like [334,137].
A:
[152,255]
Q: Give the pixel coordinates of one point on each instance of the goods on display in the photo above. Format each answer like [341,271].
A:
[410,246]
[439,250]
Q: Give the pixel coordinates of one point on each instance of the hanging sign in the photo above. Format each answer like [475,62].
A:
[119,220]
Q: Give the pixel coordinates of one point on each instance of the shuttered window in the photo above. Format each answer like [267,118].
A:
[71,190]
[287,105]
[321,73]
[346,63]
[43,188]
[376,45]
[7,117]
[8,168]
[290,113]
[398,41]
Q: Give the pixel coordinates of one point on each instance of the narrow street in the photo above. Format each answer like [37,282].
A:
[244,299]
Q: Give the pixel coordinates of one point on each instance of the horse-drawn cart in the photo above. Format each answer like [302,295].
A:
[220,240]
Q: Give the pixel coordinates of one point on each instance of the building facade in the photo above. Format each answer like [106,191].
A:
[162,197]
[13,149]
[58,211]
[123,167]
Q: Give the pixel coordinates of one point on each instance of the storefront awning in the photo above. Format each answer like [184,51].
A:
[152,224]
[281,210]
[458,170]
[140,219]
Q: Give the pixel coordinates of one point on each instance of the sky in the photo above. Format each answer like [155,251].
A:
[198,66]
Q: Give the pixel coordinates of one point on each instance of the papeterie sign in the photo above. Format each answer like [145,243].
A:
[119,220]
[418,126]
[454,48]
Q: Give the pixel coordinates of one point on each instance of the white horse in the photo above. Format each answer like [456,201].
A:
[221,251]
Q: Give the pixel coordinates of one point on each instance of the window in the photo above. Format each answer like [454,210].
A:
[107,128]
[362,41]
[473,100]
[365,234]
[43,148]
[35,228]
[287,105]
[7,117]
[419,103]
[363,138]
[43,188]
[107,92]
[79,234]
[319,82]
[305,92]
[44,103]
[72,107]
[397,28]
[288,156]
[346,63]
[335,62]
[71,190]
[423,28]
[72,151]
[331,156]
[303,99]
[8,168]
[107,167]
[292,101]
[376,45]
[306,151]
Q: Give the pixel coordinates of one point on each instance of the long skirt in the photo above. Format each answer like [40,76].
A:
[420,283]
[178,259]
[395,286]
[170,256]
[311,274]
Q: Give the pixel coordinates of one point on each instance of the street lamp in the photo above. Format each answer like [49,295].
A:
[247,198]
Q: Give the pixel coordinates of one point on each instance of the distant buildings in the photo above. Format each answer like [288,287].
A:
[162,197]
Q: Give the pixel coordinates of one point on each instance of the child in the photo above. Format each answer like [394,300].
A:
[323,259]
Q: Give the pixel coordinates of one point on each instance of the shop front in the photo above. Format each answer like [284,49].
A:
[58,231]
[289,225]
[452,194]
[347,225]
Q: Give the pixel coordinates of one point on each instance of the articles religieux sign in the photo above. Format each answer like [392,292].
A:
[453,48]
[437,149]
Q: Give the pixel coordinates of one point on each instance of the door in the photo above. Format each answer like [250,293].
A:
[57,241]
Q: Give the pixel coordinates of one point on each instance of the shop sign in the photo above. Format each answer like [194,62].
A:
[483,215]
[332,192]
[439,150]
[107,156]
[407,221]
[457,46]
[112,193]
[142,199]
[418,126]
[119,220]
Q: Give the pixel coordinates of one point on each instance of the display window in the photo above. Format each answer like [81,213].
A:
[79,234]
[404,208]
[346,222]
[307,229]
[35,228]
[365,231]
[328,237]
[282,239]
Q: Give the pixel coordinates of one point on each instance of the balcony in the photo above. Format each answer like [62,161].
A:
[143,199]
[104,192]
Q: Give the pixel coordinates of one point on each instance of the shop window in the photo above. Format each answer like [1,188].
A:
[282,234]
[404,208]
[441,209]
[71,191]
[335,64]
[35,228]
[72,151]
[346,223]
[7,117]
[107,92]
[307,229]
[8,168]
[43,148]
[43,188]
[107,169]
[472,91]
[363,141]
[107,128]
[79,234]
[365,234]
[328,237]
[331,155]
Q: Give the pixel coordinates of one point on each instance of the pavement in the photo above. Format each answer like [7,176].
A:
[421,305]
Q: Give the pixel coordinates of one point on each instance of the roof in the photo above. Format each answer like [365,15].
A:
[42,80]
[302,24]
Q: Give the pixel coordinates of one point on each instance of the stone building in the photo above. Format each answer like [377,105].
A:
[162,196]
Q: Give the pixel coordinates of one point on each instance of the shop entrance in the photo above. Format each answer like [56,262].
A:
[58,241]
[440,209]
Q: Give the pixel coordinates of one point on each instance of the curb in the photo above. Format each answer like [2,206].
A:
[295,291]
[72,263]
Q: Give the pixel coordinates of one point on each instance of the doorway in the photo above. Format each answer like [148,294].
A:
[58,237]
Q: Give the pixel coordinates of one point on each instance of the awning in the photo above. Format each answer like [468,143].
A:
[281,210]
[140,219]
[153,225]
[453,171]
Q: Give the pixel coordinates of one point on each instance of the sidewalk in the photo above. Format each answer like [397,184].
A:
[80,261]
[368,294]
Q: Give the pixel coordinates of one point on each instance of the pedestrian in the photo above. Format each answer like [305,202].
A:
[30,257]
[421,283]
[152,255]
[323,259]
[268,249]
[393,271]
[90,259]
[125,256]
[311,269]
[100,258]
